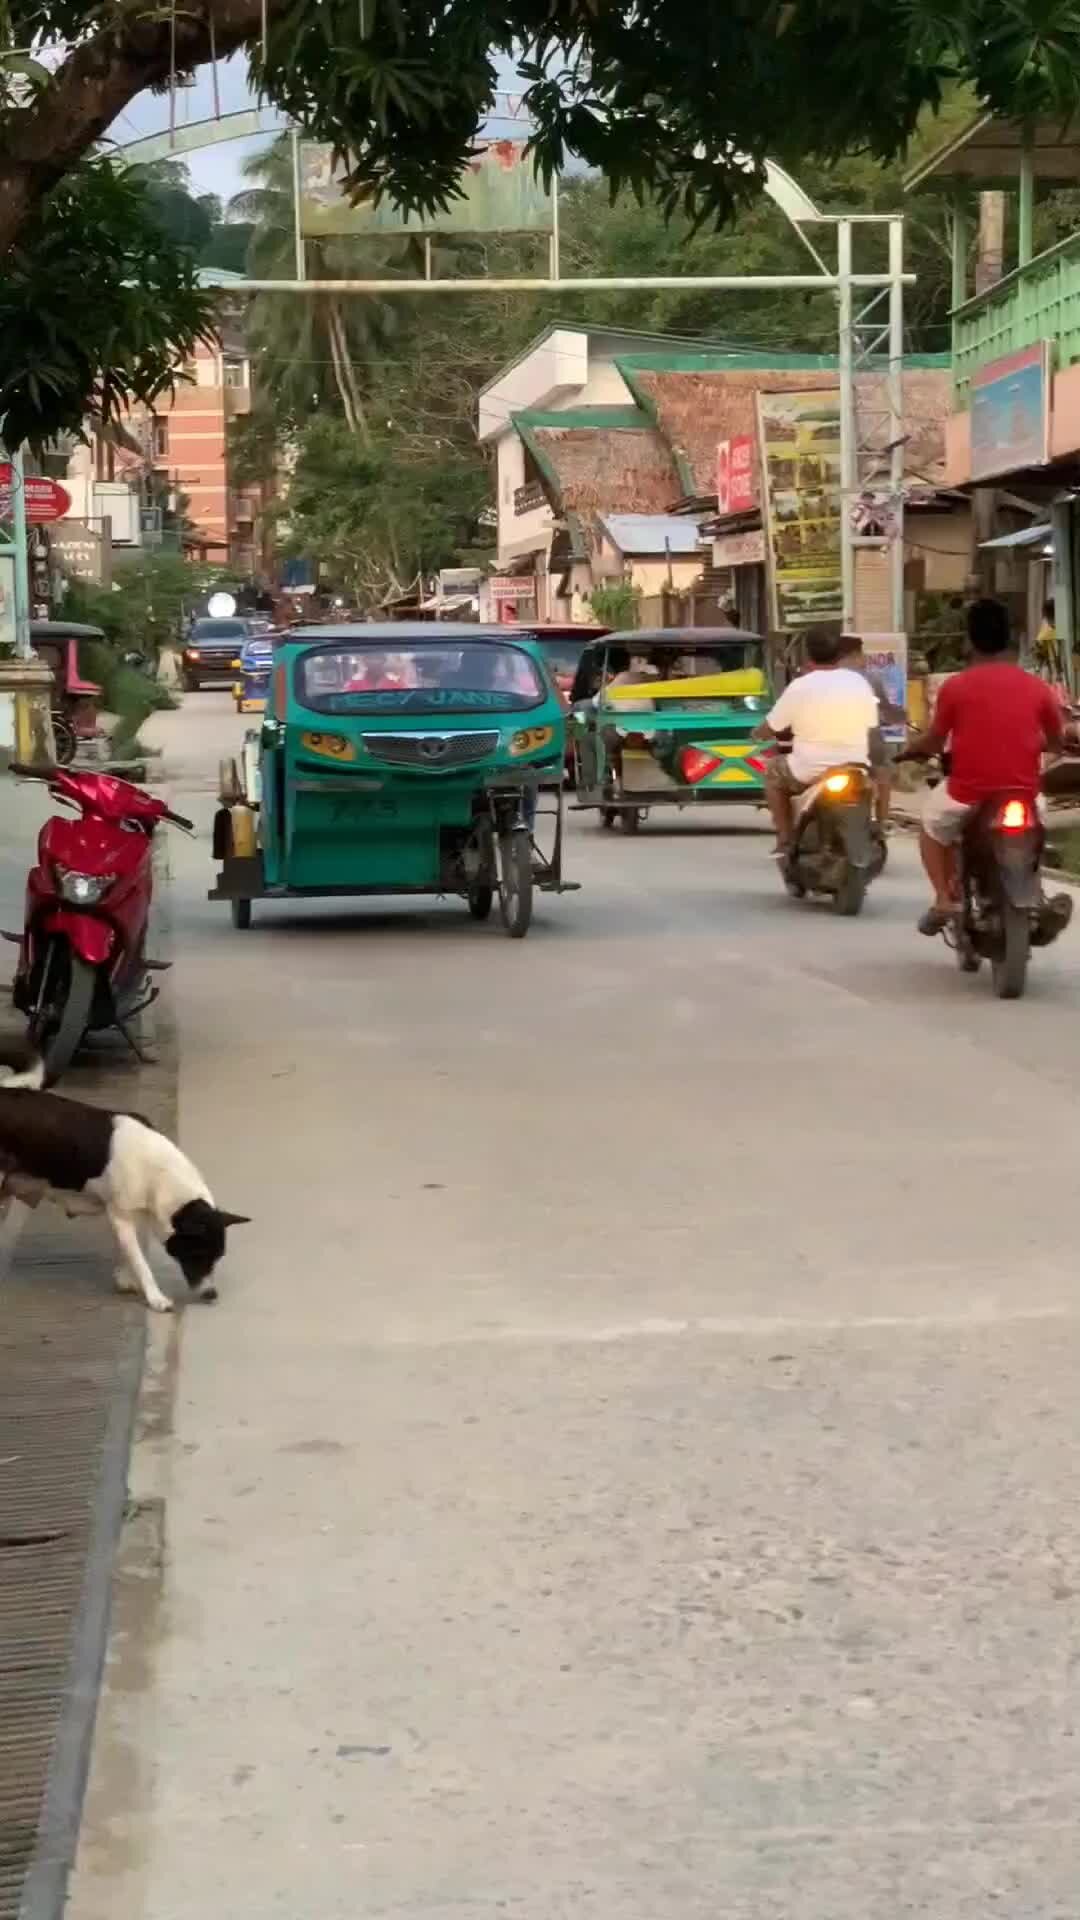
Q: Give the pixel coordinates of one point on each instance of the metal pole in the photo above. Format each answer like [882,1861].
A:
[960,237]
[896,421]
[301,263]
[701,283]
[1026,209]
[556,263]
[849,457]
[23,648]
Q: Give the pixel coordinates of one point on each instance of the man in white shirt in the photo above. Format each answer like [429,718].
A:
[830,713]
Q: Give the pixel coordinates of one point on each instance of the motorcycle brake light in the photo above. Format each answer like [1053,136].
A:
[1015,816]
[838,783]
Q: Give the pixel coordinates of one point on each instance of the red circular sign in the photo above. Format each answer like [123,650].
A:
[45,499]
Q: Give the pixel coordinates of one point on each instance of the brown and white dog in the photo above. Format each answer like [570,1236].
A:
[90,1160]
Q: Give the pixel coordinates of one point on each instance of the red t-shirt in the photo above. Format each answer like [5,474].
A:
[998,721]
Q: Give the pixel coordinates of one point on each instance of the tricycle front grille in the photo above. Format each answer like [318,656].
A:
[431,750]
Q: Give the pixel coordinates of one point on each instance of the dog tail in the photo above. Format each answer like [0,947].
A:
[21,1066]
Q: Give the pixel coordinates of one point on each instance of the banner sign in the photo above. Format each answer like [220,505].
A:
[1010,413]
[799,437]
[499,191]
[735,475]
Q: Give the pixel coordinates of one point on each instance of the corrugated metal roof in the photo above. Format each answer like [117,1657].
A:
[652,532]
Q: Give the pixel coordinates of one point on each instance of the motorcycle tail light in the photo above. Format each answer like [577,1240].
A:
[838,783]
[1015,817]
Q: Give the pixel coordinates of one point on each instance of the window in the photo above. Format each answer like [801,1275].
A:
[160,431]
[235,373]
[419,677]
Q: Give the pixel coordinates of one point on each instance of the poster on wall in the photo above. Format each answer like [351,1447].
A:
[886,657]
[799,437]
[7,601]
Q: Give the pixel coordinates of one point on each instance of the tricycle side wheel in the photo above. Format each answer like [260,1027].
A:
[607,818]
[241,915]
[632,818]
[480,902]
[516,881]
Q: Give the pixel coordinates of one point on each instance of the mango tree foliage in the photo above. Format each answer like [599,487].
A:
[677,97]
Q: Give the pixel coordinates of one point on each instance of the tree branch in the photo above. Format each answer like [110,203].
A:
[41,143]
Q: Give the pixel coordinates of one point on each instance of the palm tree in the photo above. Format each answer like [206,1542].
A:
[312,348]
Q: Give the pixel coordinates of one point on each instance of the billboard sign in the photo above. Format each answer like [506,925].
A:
[1010,413]
[799,437]
[735,475]
[498,192]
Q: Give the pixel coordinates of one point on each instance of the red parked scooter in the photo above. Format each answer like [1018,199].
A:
[82,962]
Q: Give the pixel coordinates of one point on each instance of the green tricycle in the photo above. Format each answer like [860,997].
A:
[667,718]
[399,759]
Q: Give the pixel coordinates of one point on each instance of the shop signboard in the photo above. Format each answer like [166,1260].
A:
[799,439]
[45,499]
[1010,413]
[735,475]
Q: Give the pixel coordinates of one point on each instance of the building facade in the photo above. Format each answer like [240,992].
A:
[1013,431]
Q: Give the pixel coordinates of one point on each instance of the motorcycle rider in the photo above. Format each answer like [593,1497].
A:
[830,712]
[997,722]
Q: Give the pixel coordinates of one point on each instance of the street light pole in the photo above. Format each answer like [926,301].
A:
[849,452]
[896,422]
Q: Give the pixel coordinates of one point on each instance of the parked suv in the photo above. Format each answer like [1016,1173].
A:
[211,651]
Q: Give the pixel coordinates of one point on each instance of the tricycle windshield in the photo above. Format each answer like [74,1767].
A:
[420,677]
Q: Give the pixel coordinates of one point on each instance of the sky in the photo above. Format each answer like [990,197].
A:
[219,169]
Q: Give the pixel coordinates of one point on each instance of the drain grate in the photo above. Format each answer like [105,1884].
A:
[70,1359]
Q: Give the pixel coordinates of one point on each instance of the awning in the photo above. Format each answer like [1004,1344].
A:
[1027,537]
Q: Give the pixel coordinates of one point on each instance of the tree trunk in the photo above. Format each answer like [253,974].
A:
[43,142]
[344,375]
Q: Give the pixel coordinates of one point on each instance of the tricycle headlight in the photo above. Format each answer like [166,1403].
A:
[530,740]
[83,889]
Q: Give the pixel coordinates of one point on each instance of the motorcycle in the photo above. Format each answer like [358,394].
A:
[837,849]
[1003,911]
[82,963]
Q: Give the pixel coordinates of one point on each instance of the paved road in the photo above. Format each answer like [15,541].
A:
[633,1468]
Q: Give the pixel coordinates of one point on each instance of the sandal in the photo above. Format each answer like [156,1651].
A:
[936,919]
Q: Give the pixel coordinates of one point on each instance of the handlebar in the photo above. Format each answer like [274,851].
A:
[104,794]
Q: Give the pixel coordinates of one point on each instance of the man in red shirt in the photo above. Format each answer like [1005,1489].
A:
[997,722]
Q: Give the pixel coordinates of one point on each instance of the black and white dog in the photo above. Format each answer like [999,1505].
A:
[90,1160]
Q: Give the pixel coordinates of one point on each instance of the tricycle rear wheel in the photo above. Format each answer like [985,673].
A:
[480,902]
[516,881]
[241,915]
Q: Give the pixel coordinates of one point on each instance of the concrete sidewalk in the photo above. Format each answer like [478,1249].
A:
[71,1355]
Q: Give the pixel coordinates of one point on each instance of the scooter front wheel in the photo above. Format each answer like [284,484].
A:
[63,1015]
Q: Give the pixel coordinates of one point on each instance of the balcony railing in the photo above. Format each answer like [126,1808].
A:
[529,497]
[1038,302]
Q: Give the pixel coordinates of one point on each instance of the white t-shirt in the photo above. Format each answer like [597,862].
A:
[830,712]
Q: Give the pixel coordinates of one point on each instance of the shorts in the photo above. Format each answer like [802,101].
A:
[944,818]
[778,774]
